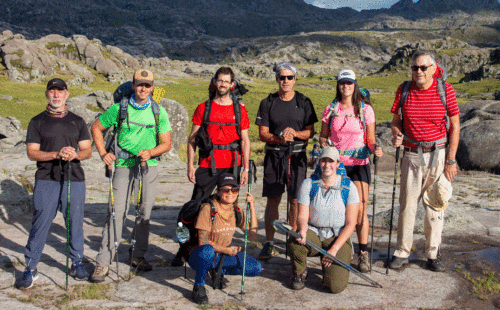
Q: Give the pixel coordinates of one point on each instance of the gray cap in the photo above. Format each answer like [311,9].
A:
[330,152]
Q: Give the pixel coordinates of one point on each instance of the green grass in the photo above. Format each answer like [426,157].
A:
[85,291]
[482,285]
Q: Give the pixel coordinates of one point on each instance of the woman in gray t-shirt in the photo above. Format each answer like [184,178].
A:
[327,221]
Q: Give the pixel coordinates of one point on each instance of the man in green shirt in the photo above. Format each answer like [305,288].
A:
[137,143]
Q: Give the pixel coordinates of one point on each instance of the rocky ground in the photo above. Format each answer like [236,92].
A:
[471,246]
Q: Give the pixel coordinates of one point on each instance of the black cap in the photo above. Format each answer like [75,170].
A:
[227,179]
[56,83]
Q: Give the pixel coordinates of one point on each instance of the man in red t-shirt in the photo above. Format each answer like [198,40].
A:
[421,128]
[225,160]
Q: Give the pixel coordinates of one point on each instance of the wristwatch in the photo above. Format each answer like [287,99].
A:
[247,170]
[451,162]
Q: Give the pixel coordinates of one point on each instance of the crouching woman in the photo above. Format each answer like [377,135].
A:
[328,209]
[216,226]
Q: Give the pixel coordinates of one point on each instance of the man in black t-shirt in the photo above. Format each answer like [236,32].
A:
[56,138]
[286,122]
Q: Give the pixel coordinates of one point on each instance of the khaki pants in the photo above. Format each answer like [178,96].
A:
[123,184]
[415,180]
[335,277]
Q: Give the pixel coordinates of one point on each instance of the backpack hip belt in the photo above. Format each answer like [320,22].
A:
[358,153]
[233,146]
[427,144]
[296,148]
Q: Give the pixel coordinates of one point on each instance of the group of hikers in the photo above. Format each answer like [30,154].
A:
[324,209]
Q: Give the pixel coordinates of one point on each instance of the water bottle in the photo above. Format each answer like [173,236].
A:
[182,233]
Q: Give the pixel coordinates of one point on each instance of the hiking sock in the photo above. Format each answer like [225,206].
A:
[363,247]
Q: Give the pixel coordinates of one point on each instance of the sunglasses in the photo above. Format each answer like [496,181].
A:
[423,68]
[284,77]
[226,190]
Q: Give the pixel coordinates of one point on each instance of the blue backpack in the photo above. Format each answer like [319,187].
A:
[316,180]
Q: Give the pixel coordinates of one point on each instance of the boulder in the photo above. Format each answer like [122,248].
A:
[179,120]
[479,147]
[12,135]
[15,200]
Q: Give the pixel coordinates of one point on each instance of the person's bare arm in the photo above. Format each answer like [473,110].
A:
[303,222]
[252,229]
[34,153]
[397,131]
[245,152]
[324,134]
[204,238]
[96,131]
[163,147]
[191,150]
[451,170]
[267,137]
[85,151]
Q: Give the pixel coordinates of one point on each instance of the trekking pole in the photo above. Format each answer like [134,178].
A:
[281,227]
[252,172]
[109,174]
[392,209]
[142,171]
[288,192]
[67,223]
[375,161]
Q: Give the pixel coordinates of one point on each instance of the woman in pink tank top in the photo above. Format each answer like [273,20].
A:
[349,124]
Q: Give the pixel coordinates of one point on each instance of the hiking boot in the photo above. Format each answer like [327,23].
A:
[29,277]
[180,258]
[364,262]
[267,252]
[435,264]
[398,262]
[299,281]
[99,274]
[141,264]
[200,294]
[222,282]
[78,272]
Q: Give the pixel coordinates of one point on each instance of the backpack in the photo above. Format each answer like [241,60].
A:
[189,213]
[362,152]
[122,95]
[203,140]
[301,100]
[316,180]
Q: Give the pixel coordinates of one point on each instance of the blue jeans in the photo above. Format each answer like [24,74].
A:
[48,196]
[202,260]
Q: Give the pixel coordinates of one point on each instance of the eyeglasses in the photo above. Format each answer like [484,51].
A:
[423,68]
[223,82]
[226,190]
[284,77]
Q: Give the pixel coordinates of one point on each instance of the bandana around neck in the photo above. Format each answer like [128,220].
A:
[137,106]
[54,113]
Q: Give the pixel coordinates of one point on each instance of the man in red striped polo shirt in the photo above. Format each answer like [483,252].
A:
[419,124]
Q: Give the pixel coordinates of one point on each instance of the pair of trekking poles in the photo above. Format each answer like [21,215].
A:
[143,169]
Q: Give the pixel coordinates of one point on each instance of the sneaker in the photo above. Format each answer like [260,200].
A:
[78,272]
[299,281]
[435,264]
[200,294]
[222,282]
[141,264]
[364,262]
[398,262]
[267,252]
[180,258]
[29,277]
[99,274]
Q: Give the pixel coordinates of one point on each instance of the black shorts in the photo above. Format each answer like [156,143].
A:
[206,181]
[360,173]
[276,173]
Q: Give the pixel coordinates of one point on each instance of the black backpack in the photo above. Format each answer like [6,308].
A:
[189,213]
[202,139]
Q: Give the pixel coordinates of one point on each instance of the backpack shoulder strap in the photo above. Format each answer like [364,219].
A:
[206,114]
[441,85]
[346,182]
[314,186]
[156,113]
[301,100]
[362,115]
[237,115]
[405,90]
[213,212]
[333,111]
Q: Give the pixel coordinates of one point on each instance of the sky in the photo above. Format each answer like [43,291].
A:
[355,4]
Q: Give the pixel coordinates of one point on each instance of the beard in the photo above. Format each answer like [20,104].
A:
[56,103]
[222,93]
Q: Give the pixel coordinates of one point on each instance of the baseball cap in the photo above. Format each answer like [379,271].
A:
[330,152]
[56,83]
[227,179]
[346,75]
[143,77]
